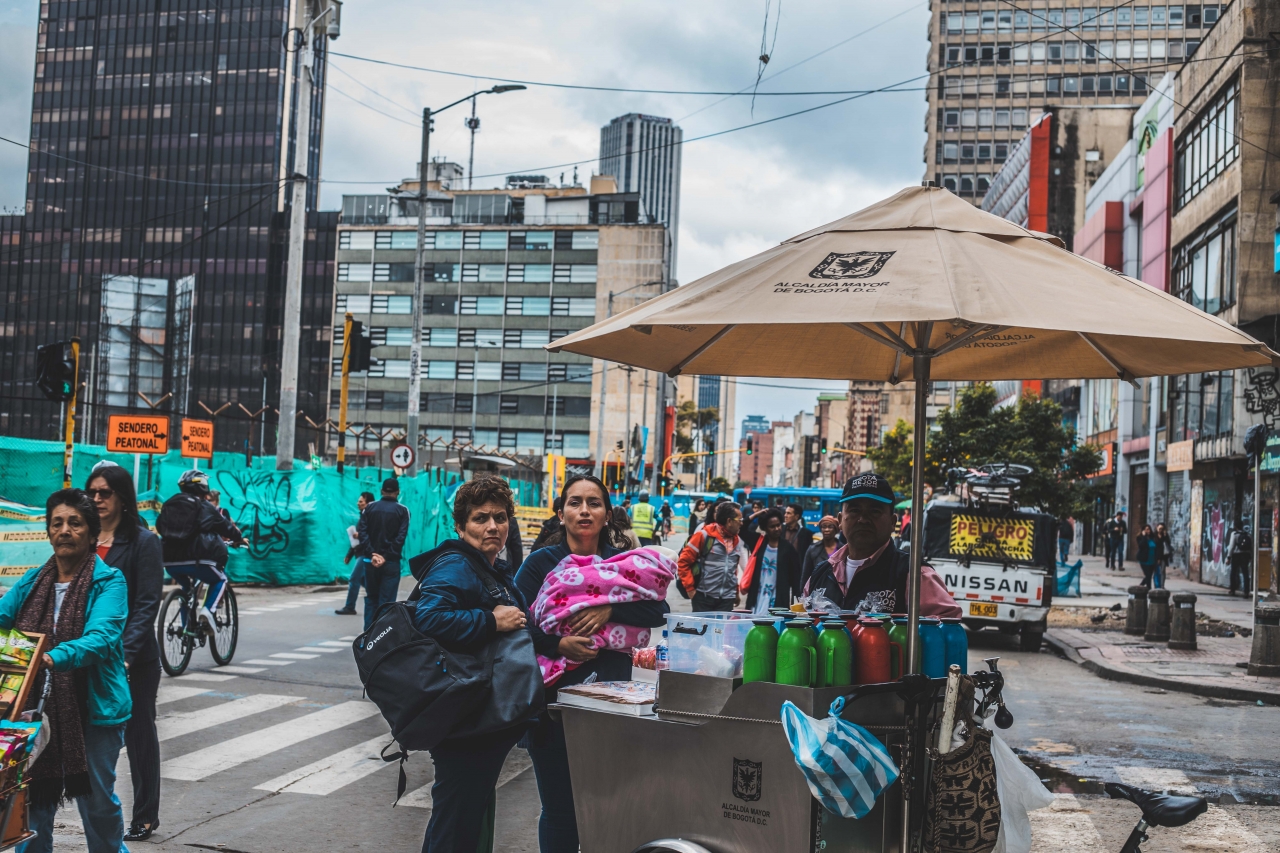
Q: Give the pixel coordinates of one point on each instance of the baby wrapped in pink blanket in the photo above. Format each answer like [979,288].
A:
[581,582]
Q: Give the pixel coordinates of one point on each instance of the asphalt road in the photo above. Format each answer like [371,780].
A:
[279,751]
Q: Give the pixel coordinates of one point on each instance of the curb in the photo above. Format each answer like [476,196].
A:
[1209,691]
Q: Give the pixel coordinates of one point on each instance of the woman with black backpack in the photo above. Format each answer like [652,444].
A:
[465,601]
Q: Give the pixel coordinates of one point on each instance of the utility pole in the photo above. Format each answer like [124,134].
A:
[414,407]
[342,396]
[415,348]
[70,430]
[292,332]
[473,124]
[626,433]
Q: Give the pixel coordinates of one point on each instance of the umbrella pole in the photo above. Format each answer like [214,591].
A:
[920,369]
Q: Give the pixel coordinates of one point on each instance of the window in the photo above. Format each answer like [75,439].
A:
[951,183]
[969,118]
[378,303]
[949,152]
[1204,266]
[1055,52]
[1158,19]
[984,151]
[569,372]
[1157,48]
[400,240]
[355,272]
[355,240]
[1020,53]
[1089,18]
[1175,16]
[1070,85]
[1140,18]
[440,305]
[1071,51]
[575,306]
[1002,118]
[1004,53]
[488,338]
[966,151]
[398,336]
[1019,119]
[1104,85]
[1208,147]
[1004,19]
[966,185]
[393,272]
[531,241]
[1124,17]
[445,240]
[1002,152]
[1055,18]
[529,272]
[1037,52]
[988,20]
[482,305]
[951,119]
[585,240]
[1021,21]
[484,239]
[1086,85]
[574,273]
[438,337]
[1073,18]
[441,369]
[984,117]
[952,54]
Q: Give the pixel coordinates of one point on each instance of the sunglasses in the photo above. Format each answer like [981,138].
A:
[104,494]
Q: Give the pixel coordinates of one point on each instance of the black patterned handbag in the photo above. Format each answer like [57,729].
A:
[962,808]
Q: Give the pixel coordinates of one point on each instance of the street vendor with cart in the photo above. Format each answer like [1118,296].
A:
[868,574]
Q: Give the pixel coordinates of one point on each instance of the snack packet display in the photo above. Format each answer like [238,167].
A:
[18,649]
[10,687]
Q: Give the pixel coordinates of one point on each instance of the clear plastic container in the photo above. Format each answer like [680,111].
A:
[707,643]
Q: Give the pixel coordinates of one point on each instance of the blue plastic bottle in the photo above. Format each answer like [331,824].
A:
[933,656]
[957,643]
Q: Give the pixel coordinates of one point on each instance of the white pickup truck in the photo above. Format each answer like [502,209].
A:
[999,565]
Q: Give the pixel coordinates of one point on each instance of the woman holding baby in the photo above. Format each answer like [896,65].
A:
[588,531]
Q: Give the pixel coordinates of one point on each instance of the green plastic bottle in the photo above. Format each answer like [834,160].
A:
[834,655]
[760,652]
[898,637]
[797,658]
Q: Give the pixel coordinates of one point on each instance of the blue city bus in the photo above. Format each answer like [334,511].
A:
[815,502]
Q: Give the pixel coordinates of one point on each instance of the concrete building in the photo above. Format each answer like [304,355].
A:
[507,271]
[997,66]
[643,153]
[757,468]
[1042,185]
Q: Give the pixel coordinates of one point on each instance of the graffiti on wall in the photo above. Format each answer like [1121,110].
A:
[1262,397]
[259,504]
[1219,515]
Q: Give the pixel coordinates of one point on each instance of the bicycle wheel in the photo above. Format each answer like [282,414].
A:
[176,644]
[226,628]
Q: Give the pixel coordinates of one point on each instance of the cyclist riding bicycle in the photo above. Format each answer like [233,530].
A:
[194,535]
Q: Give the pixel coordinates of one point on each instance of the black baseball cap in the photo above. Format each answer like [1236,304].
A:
[871,486]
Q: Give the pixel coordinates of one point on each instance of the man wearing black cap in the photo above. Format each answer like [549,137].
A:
[868,574]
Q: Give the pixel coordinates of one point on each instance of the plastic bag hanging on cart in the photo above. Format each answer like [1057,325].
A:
[1020,791]
[845,766]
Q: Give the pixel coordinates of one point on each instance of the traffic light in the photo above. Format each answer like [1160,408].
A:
[56,371]
[751,441]
[824,446]
[360,356]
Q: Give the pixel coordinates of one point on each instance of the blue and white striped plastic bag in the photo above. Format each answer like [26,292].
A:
[845,766]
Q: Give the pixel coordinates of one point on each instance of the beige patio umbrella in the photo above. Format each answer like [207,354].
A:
[919,286]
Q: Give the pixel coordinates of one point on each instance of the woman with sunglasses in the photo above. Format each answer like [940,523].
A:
[587,526]
[126,544]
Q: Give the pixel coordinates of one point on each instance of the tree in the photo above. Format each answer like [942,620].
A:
[1031,433]
[975,433]
[720,484]
[892,459]
[691,420]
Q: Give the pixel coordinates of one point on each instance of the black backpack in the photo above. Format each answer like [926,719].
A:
[178,525]
[428,694]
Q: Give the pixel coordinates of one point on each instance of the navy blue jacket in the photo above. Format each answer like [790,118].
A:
[383,527]
[454,607]
[611,665]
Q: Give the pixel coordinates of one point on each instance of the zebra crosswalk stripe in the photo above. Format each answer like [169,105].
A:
[321,649]
[293,656]
[175,725]
[204,675]
[1065,827]
[334,771]
[197,765]
[266,662]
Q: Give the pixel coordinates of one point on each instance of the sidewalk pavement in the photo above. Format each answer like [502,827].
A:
[1211,670]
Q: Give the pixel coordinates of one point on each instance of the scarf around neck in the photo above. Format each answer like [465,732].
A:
[62,771]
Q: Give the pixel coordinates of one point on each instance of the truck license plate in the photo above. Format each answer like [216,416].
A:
[980,608]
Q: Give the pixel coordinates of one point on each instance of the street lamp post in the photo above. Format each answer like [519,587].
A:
[604,379]
[415,351]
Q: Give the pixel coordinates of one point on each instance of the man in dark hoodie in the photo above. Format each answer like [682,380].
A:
[383,527]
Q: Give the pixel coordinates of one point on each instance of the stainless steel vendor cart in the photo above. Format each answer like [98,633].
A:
[713,770]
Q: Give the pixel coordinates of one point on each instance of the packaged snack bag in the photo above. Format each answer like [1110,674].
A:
[18,649]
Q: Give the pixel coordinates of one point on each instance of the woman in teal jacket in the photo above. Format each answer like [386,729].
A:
[81,604]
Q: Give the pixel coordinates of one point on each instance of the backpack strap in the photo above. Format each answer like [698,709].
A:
[402,756]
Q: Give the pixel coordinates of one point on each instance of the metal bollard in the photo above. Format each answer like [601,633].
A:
[1264,658]
[1157,616]
[1182,622]
[1135,618]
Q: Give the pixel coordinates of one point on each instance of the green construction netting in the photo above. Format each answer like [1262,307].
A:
[296,521]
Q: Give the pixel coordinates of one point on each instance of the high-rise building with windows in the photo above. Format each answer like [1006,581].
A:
[997,65]
[156,220]
[643,153]
[507,272]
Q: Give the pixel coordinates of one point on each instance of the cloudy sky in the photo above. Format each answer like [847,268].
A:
[741,192]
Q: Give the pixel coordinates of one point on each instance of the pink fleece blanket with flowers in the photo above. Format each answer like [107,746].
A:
[577,583]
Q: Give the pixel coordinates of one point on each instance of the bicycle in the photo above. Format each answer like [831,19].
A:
[179,632]
[1157,810]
